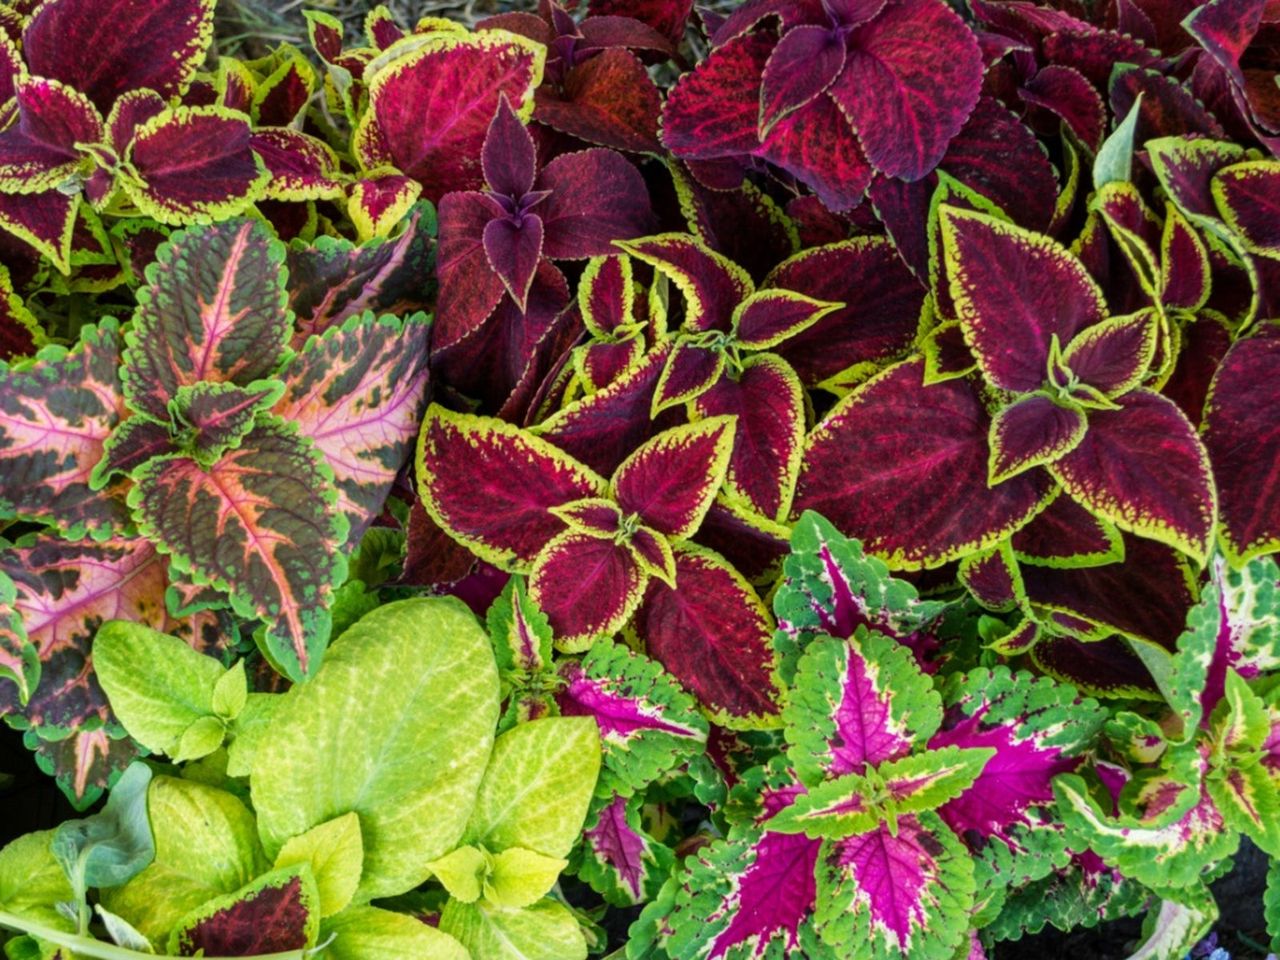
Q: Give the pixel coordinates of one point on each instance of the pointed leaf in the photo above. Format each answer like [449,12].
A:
[1030,432]
[712,285]
[379,201]
[220,414]
[213,310]
[508,158]
[276,912]
[56,412]
[617,857]
[805,62]
[545,931]
[690,370]
[903,468]
[358,393]
[1143,468]
[906,105]
[587,586]
[767,318]
[335,853]
[670,481]
[597,197]
[1114,355]
[260,525]
[430,108]
[1065,534]
[513,252]
[1014,291]
[41,150]
[712,635]
[1246,195]
[370,933]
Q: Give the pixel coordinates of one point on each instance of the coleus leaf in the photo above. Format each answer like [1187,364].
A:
[608,99]
[1014,292]
[217,415]
[856,704]
[911,521]
[492,485]
[617,856]
[260,525]
[1032,431]
[1246,640]
[1065,534]
[213,310]
[1113,356]
[152,46]
[587,585]
[358,391]
[830,587]
[670,481]
[522,639]
[457,79]
[1243,469]
[278,911]
[895,893]
[713,286]
[193,164]
[1246,198]
[712,635]
[56,412]
[648,725]
[1038,729]
[1146,437]
[379,200]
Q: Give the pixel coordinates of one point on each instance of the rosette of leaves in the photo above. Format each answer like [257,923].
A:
[199,465]
[291,858]
[831,93]
[103,122]
[600,554]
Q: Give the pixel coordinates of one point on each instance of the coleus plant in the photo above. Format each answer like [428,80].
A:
[282,862]
[197,463]
[539,511]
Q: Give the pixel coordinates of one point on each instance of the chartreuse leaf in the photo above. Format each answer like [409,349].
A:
[537,787]
[1246,798]
[1239,722]
[367,933]
[1271,902]
[199,740]
[231,692]
[206,846]
[462,872]
[32,882]
[544,931]
[122,932]
[248,730]
[1178,925]
[520,877]
[278,911]
[334,851]
[158,686]
[433,717]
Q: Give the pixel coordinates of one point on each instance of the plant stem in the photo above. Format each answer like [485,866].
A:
[88,947]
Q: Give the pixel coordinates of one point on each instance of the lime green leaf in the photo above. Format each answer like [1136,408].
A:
[462,873]
[248,730]
[1239,722]
[231,692]
[335,852]
[158,686]
[538,785]
[206,846]
[122,932]
[1246,797]
[199,740]
[545,931]
[408,760]
[367,933]
[32,881]
[520,877]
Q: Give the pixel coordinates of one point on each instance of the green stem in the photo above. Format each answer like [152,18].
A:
[88,947]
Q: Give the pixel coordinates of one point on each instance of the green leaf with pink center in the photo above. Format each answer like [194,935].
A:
[617,856]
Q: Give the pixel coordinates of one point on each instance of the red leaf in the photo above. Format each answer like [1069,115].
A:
[670,481]
[597,197]
[469,288]
[1068,94]
[805,62]
[903,468]
[608,99]
[713,635]
[588,586]
[1065,534]
[40,150]
[508,157]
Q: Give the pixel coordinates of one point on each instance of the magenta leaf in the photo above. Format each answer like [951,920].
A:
[620,860]
[806,61]
[608,100]
[907,475]
[106,48]
[42,149]
[596,197]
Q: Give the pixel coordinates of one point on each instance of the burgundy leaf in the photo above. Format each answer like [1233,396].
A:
[587,586]
[469,287]
[1065,534]
[513,251]
[597,197]
[609,100]
[670,481]
[1030,432]
[1066,92]
[805,62]
[508,156]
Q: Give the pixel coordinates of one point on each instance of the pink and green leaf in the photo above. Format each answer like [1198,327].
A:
[1143,468]
[261,525]
[492,485]
[648,724]
[618,857]
[1032,431]
[56,414]
[713,635]
[670,481]
[213,310]
[896,893]
[358,392]
[1014,292]
[856,704]
[903,467]
[215,416]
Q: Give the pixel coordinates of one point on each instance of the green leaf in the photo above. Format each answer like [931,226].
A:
[231,692]
[122,932]
[928,780]
[521,634]
[206,846]
[158,685]
[1271,903]
[1240,723]
[462,872]
[1115,156]
[520,877]
[407,760]
[32,881]
[248,730]
[367,933]
[199,740]
[1246,797]
[544,931]
[335,852]
[111,847]
[537,787]
[1171,931]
